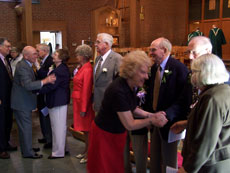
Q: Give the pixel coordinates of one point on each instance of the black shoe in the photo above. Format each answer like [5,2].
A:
[4,155]
[42,141]
[36,149]
[53,157]
[48,145]
[11,148]
[35,156]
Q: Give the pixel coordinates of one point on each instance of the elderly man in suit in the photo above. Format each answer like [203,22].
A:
[5,91]
[23,99]
[42,70]
[197,47]
[106,67]
[165,90]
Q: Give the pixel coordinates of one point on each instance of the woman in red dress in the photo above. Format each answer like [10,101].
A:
[83,113]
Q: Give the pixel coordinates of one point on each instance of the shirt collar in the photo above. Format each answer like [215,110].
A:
[106,55]
[30,64]
[163,64]
[44,59]
[2,58]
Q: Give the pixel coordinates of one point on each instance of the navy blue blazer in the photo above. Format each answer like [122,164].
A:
[58,94]
[175,93]
[41,74]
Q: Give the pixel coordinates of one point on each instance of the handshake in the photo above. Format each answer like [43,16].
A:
[158,119]
[49,79]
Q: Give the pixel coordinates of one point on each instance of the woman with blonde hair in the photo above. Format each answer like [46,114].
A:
[108,131]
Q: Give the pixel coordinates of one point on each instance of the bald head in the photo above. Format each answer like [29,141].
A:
[163,43]
[30,54]
[198,46]
[160,49]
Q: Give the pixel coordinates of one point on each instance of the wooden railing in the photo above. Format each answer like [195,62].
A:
[178,52]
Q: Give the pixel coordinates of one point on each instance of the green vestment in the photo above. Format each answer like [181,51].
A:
[217,38]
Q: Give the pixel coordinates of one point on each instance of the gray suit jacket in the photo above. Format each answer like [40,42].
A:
[104,78]
[22,97]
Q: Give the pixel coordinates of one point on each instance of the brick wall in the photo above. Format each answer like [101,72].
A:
[9,26]
[162,18]
[75,13]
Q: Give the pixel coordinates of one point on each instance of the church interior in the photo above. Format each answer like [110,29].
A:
[133,25]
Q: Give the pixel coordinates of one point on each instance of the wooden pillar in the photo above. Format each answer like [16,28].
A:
[26,24]
[187,19]
[202,11]
[221,14]
[134,23]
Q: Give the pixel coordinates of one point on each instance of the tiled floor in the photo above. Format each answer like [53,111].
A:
[69,164]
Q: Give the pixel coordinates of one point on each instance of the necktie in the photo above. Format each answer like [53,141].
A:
[35,70]
[157,84]
[8,69]
[98,66]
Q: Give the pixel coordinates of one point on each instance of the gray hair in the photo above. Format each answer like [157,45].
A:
[2,40]
[165,43]
[208,69]
[202,42]
[43,47]
[107,38]
[85,51]
[15,49]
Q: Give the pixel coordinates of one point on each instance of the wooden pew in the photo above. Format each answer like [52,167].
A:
[178,52]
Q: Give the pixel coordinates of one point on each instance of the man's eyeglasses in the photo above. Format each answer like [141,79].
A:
[153,49]
[98,42]
[195,52]
[7,46]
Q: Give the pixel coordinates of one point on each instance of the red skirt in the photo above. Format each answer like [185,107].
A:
[82,123]
[106,151]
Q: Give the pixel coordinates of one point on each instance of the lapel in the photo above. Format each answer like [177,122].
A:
[150,81]
[94,69]
[4,67]
[46,62]
[8,61]
[165,85]
[97,58]
[30,69]
[96,61]
[105,64]
[153,74]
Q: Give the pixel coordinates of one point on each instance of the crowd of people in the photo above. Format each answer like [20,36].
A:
[109,111]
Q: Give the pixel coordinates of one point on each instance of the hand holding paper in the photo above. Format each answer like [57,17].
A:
[179,126]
